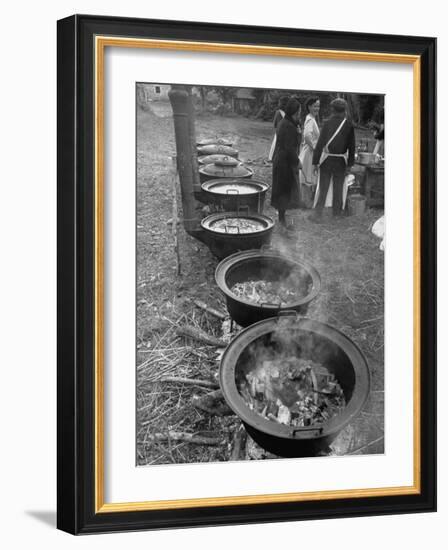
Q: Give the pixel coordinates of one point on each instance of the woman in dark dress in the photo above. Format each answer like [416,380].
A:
[286,164]
[278,117]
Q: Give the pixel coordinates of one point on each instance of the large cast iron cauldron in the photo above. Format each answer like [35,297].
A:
[225,168]
[217,150]
[211,159]
[267,265]
[228,232]
[235,193]
[214,141]
[312,341]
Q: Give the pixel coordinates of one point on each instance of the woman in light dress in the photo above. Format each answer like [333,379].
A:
[311,132]
[278,117]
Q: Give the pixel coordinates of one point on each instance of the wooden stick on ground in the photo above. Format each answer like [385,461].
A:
[212,403]
[365,446]
[186,437]
[191,381]
[215,312]
[239,444]
[200,336]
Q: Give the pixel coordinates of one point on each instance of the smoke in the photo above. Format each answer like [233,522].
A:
[301,279]
[287,339]
[284,376]
[309,252]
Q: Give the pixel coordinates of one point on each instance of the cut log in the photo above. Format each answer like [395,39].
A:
[255,452]
[190,381]
[227,329]
[239,444]
[200,336]
[212,403]
[215,312]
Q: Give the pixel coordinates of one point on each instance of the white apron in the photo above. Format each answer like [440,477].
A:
[274,140]
[349,179]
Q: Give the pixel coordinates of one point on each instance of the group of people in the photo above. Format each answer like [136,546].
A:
[310,163]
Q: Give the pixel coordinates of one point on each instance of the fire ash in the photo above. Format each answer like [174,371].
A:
[273,290]
[293,391]
[285,379]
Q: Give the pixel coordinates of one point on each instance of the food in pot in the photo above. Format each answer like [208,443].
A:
[284,291]
[292,391]
[237,225]
[232,189]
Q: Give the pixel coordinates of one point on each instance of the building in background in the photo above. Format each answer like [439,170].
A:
[243,101]
[154,92]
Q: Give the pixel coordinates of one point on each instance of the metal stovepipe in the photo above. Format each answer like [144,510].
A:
[181,103]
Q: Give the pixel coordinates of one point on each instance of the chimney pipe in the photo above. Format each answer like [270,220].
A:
[181,103]
[193,141]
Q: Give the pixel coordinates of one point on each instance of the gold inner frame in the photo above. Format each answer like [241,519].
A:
[101,42]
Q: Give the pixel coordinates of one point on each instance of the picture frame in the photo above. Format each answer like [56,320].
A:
[82,41]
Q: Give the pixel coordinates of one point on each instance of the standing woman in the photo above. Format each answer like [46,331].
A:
[286,163]
[311,132]
[278,117]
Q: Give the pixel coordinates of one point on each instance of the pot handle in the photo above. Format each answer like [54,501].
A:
[266,247]
[266,304]
[287,313]
[318,431]
[234,227]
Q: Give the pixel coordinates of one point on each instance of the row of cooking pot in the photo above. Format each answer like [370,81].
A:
[240,223]
[225,179]
[240,236]
[246,229]
[308,339]
[218,159]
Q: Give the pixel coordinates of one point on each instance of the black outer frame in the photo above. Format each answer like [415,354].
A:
[75,172]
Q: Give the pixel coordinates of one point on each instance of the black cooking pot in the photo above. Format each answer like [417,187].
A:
[211,159]
[225,168]
[225,236]
[268,265]
[313,341]
[217,150]
[231,194]
[214,141]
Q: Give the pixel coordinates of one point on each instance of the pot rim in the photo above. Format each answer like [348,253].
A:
[227,150]
[331,427]
[205,223]
[224,265]
[217,141]
[203,170]
[261,185]
[201,159]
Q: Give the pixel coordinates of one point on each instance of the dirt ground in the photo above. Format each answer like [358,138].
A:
[344,251]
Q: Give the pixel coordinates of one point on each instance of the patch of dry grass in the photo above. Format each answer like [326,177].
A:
[166,406]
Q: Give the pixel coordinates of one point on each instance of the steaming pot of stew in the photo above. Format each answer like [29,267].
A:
[295,383]
[229,232]
[258,284]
